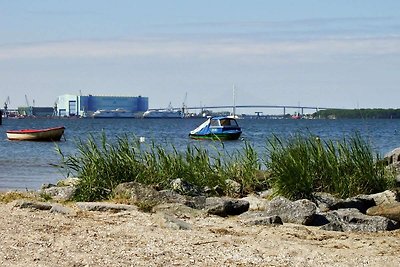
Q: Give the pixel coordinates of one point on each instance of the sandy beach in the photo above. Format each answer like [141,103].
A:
[135,238]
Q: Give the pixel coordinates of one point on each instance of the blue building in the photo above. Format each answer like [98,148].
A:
[90,105]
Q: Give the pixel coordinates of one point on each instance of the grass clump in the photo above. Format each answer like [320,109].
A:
[302,165]
[294,167]
[102,165]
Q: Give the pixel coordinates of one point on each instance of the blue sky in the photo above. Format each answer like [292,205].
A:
[343,54]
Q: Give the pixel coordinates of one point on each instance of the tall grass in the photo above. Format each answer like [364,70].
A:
[302,165]
[102,165]
[294,167]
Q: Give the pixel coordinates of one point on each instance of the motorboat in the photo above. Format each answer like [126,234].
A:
[217,128]
[49,134]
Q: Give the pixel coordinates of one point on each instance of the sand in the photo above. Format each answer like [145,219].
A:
[135,238]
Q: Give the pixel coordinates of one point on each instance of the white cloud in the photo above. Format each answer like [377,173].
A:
[202,49]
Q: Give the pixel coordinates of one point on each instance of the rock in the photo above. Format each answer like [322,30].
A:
[47,185]
[352,220]
[233,188]
[393,160]
[390,211]
[178,210]
[140,193]
[64,193]
[393,156]
[185,188]
[385,197]
[325,201]
[70,181]
[362,203]
[267,194]
[299,212]
[225,206]
[259,218]
[56,208]
[104,206]
[23,204]
[136,192]
[256,202]
[168,221]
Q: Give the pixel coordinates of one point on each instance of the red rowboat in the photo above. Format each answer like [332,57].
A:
[49,134]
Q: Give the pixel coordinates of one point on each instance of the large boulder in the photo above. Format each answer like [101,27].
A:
[326,202]
[259,218]
[140,193]
[390,211]
[352,220]
[298,212]
[225,206]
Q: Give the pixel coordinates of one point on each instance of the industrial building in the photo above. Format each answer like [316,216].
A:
[86,106]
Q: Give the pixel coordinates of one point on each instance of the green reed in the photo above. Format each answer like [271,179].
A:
[304,164]
[102,165]
[294,167]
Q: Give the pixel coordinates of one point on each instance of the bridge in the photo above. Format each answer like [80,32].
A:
[232,107]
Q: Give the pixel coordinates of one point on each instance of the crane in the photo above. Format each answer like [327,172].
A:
[6,103]
[27,101]
[184,105]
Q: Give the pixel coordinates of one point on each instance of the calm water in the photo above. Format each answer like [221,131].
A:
[27,165]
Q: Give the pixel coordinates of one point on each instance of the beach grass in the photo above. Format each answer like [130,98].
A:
[293,167]
[303,164]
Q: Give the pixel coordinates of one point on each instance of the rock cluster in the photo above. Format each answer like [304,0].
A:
[364,213]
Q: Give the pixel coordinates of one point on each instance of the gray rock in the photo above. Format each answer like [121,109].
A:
[390,211]
[136,192]
[298,212]
[70,181]
[27,204]
[393,156]
[352,220]
[47,185]
[259,218]
[64,193]
[57,208]
[362,203]
[179,210]
[225,206]
[233,188]
[168,221]
[256,202]
[326,202]
[385,197]
[104,206]
[185,188]
[393,161]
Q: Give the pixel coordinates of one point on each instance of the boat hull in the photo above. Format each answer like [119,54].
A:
[216,136]
[50,134]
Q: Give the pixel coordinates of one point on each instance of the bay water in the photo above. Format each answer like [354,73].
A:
[28,165]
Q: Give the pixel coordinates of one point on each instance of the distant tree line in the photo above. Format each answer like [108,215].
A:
[374,113]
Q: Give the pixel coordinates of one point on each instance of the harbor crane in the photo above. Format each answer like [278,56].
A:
[6,103]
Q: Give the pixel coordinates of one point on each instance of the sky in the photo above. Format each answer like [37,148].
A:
[338,54]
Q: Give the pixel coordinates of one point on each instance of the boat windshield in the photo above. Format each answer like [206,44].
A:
[228,122]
